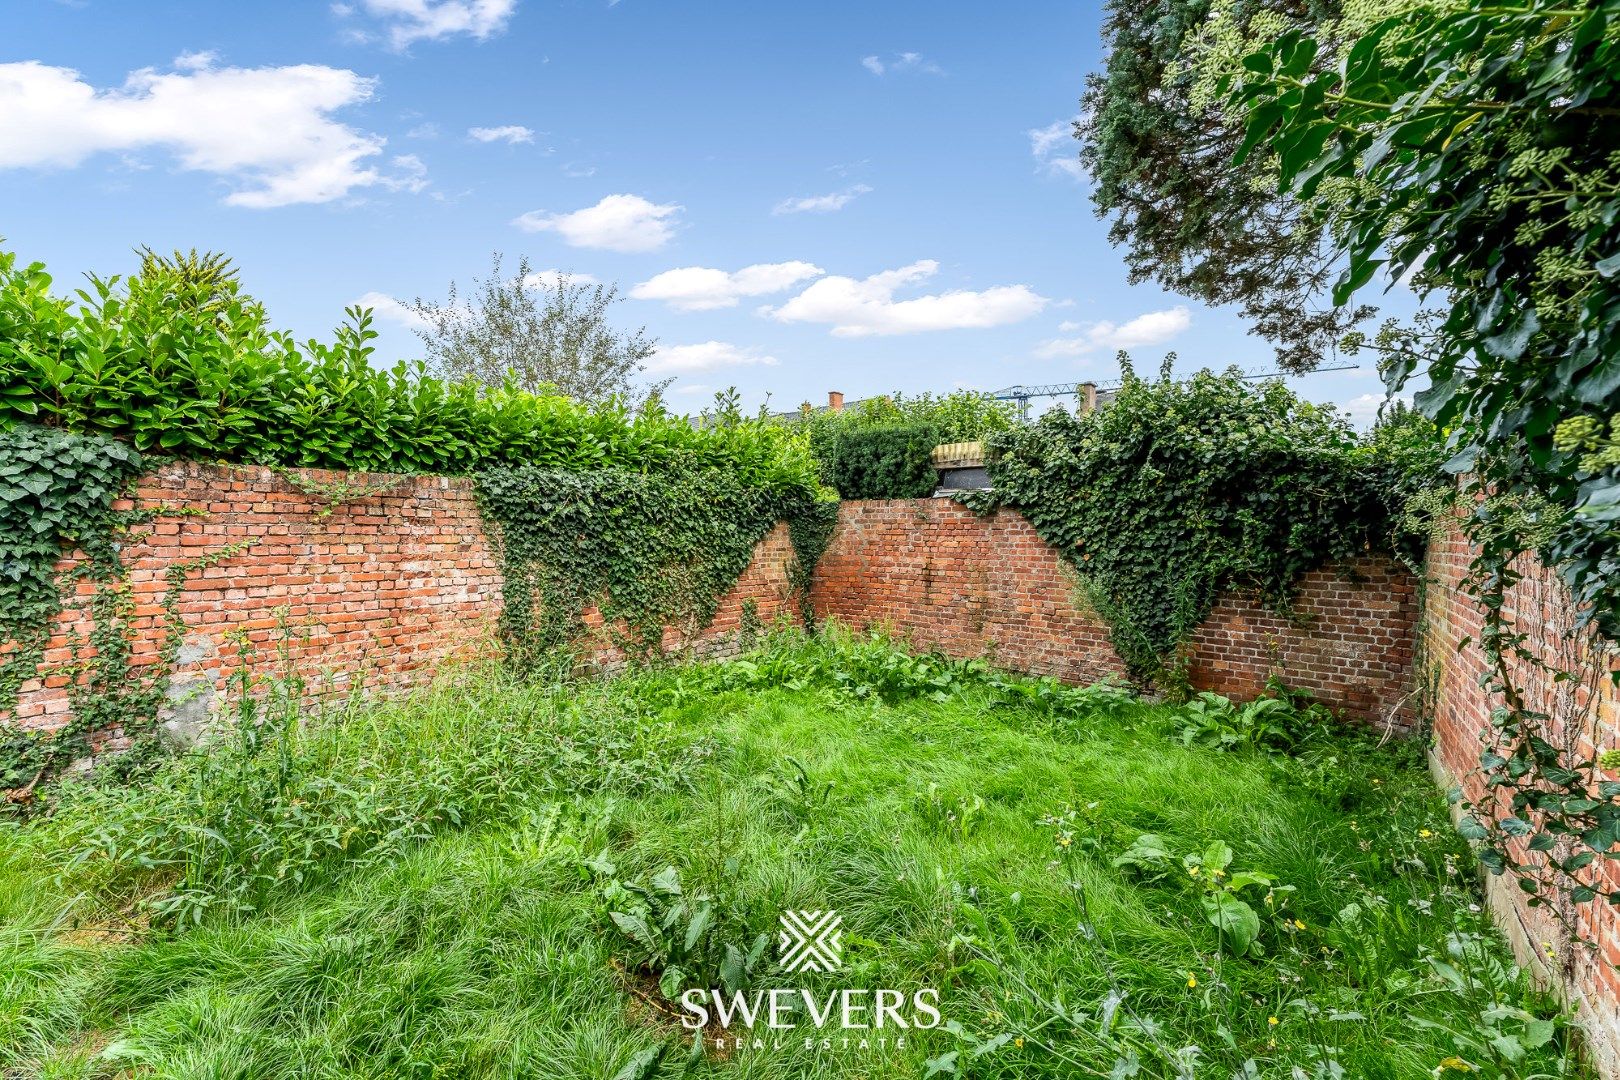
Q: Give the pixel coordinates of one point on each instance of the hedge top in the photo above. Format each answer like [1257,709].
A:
[190,367]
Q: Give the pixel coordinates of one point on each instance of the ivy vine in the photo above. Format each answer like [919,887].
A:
[649,550]
[1178,491]
[58,493]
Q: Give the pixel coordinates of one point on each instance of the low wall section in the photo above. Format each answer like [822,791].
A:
[387,587]
[989,586]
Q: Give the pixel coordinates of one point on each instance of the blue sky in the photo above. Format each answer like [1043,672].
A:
[795,199]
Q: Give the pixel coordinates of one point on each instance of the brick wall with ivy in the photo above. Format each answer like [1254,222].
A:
[347,576]
[989,586]
[1583,712]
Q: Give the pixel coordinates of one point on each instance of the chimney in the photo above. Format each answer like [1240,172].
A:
[1087,395]
[835,400]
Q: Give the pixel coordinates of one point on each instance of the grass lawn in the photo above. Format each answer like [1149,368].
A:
[479,881]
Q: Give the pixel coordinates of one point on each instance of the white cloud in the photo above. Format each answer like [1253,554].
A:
[426,130]
[618,223]
[901,62]
[699,288]
[200,60]
[507,133]
[408,21]
[386,307]
[708,356]
[857,308]
[411,177]
[1053,147]
[1363,409]
[821,204]
[549,279]
[1149,329]
[267,131]
[576,171]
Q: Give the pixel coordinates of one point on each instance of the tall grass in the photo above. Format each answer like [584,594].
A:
[424,888]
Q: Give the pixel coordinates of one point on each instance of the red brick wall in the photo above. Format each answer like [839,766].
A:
[1584,711]
[387,588]
[973,586]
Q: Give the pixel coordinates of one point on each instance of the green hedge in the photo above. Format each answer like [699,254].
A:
[885,462]
[879,448]
[191,368]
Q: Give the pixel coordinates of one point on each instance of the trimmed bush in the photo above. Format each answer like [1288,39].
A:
[887,462]
[188,365]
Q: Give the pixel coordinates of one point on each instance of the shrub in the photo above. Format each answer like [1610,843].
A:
[886,462]
[879,448]
[176,364]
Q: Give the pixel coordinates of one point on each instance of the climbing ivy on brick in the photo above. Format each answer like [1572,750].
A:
[57,493]
[648,549]
[1177,491]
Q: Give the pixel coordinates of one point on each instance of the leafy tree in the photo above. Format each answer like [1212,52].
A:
[537,334]
[1160,149]
[1474,150]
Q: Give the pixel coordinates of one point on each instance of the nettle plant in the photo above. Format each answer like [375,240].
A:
[1179,490]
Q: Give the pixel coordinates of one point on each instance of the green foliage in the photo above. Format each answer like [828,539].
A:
[879,448]
[1279,721]
[1472,151]
[810,531]
[187,365]
[282,801]
[56,494]
[1228,900]
[1177,491]
[673,935]
[869,667]
[1158,149]
[888,461]
[546,336]
[960,416]
[653,549]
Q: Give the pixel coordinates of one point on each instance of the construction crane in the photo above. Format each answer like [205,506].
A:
[1022,394]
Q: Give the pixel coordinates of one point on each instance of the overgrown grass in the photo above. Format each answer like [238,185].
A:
[428,888]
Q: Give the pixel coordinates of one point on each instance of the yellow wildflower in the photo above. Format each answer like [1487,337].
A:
[1273,1021]
[1193,870]
[1192,980]
[1019,1042]
[1299,924]
[1454,1064]
[1425,833]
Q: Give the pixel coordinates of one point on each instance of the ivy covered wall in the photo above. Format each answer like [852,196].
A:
[352,579]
